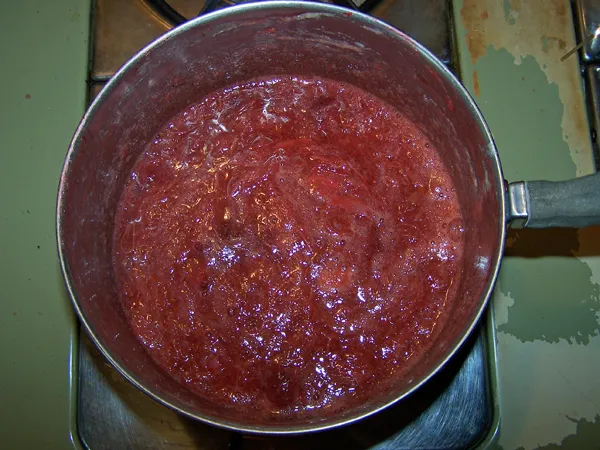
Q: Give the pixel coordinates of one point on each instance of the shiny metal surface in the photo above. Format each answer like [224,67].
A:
[113,414]
[111,136]
[587,13]
[119,29]
[427,21]
[453,411]
[123,27]
[517,205]
[592,74]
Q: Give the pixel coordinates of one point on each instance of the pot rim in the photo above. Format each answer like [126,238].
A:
[308,7]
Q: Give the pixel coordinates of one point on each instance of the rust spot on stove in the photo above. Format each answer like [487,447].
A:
[561,13]
[548,43]
[511,10]
[575,108]
[472,17]
[27,96]
[486,24]
[476,83]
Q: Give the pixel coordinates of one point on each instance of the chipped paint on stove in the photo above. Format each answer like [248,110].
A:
[589,249]
[537,140]
[476,83]
[547,301]
[586,432]
[521,27]
[554,390]
[553,311]
[530,107]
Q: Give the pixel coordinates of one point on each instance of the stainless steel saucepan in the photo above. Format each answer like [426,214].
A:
[260,39]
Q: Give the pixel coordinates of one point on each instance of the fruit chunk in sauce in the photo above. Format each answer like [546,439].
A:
[288,246]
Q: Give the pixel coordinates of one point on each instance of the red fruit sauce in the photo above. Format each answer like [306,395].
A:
[288,246]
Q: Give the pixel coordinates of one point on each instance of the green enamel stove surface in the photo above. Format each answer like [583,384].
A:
[546,301]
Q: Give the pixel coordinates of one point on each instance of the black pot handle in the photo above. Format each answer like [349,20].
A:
[543,204]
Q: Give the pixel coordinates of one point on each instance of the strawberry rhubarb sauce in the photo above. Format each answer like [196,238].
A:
[288,246]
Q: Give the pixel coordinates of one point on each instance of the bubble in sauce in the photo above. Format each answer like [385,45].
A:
[456,229]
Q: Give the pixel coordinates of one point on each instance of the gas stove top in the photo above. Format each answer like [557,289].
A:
[456,409]
[122,27]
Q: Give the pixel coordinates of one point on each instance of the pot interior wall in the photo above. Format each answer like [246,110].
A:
[208,54]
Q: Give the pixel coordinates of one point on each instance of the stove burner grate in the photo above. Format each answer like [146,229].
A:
[164,9]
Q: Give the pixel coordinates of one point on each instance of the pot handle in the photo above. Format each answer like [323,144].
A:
[543,204]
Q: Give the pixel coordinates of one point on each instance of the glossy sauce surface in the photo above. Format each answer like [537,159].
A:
[288,246]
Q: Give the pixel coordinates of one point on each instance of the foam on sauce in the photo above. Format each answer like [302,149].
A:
[288,246]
